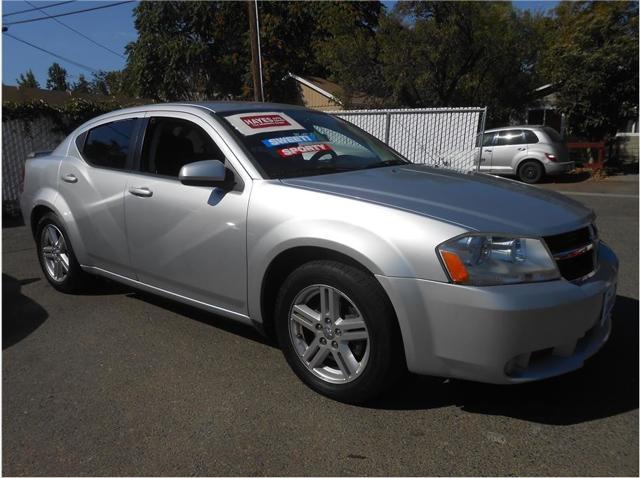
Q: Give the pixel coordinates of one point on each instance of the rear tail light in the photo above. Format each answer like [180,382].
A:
[550,157]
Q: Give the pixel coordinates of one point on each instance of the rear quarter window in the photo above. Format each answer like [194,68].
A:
[553,135]
[108,145]
[530,136]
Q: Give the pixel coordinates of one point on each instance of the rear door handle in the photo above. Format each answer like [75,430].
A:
[488,150]
[69,178]
[521,149]
[141,192]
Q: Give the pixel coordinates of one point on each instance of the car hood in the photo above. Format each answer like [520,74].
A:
[474,201]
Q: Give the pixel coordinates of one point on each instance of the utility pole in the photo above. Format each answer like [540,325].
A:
[256,61]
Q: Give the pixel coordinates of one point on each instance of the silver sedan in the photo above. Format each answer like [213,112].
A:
[361,264]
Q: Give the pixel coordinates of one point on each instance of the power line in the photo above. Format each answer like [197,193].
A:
[49,5]
[76,31]
[67,13]
[79,65]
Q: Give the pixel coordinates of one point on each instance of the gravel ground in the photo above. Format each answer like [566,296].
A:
[121,383]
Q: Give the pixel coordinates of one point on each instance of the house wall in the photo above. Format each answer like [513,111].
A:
[312,99]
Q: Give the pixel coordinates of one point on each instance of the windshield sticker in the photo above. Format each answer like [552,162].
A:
[300,138]
[254,123]
[305,148]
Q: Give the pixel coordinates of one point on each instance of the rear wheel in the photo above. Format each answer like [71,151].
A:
[530,172]
[338,331]
[56,256]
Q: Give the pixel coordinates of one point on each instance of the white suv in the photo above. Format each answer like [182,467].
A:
[529,152]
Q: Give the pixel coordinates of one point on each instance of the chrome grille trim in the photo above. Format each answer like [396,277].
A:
[572,252]
[567,249]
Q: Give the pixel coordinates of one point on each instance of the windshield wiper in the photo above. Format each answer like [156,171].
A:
[388,162]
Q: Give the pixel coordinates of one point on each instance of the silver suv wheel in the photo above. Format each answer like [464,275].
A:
[329,334]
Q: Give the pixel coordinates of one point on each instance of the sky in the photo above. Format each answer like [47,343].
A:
[111,27]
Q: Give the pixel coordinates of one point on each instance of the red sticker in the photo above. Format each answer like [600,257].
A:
[264,121]
[306,148]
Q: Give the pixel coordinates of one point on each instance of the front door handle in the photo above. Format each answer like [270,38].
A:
[488,150]
[69,178]
[141,192]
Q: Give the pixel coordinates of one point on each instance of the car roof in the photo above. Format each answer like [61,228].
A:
[213,106]
[523,126]
[216,106]
[230,106]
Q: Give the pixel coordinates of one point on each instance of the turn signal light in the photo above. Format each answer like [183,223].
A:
[455,267]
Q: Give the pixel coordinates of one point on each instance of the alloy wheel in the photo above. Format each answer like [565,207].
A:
[54,253]
[329,334]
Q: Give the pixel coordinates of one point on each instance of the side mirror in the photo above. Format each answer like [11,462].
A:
[203,173]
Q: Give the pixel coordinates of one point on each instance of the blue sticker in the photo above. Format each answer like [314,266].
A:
[299,138]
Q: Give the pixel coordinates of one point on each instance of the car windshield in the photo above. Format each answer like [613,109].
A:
[287,143]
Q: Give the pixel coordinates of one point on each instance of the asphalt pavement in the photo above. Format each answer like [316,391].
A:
[116,382]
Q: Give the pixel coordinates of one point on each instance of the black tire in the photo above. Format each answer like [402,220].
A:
[75,280]
[530,171]
[385,361]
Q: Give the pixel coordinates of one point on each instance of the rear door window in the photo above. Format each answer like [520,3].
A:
[109,145]
[510,137]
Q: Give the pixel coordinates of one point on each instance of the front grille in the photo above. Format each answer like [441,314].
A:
[568,240]
[574,252]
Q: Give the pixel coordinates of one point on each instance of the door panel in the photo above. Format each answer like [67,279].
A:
[95,196]
[189,240]
[487,151]
[507,145]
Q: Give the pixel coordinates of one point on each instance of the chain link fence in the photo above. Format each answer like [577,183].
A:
[19,139]
[439,137]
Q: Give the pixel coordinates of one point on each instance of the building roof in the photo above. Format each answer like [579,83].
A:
[335,92]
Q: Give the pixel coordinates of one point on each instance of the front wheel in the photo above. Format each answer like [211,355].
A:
[338,331]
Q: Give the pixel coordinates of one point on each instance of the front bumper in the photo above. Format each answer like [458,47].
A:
[504,334]
[559,168]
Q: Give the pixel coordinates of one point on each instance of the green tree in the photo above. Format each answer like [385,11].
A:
[295,36]
[111,83]
[28,80]
[188,50]
[287,30]
[57,79]
[99,84]
[197,50]
[82,85]
[459,54]
[350,48]
[592,59]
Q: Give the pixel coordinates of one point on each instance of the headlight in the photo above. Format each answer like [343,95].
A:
[491,260]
